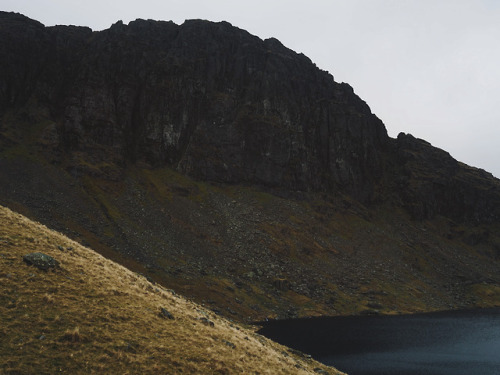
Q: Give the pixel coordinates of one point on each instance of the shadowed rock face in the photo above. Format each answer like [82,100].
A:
[430,182]
[219,104]
[206,98]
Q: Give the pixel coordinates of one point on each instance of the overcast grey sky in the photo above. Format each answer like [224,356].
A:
[426,67]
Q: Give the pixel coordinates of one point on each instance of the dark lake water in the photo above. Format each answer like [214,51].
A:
[447,343]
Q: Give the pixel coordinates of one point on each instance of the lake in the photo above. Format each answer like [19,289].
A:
[445,343]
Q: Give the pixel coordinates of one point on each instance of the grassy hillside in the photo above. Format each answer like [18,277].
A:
[91,315]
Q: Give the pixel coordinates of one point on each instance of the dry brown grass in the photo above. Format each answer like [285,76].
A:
[72,335]
[93,316]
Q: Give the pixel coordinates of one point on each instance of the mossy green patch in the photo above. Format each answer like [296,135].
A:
[485,294]
[166,183]
[102,197]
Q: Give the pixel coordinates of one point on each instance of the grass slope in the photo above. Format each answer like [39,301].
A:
[92,315]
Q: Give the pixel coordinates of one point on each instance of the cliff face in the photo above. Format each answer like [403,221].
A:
[216,103]
[234,170]
[429,182]
[205,98]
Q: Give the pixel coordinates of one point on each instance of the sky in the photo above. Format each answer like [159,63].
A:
[430,68]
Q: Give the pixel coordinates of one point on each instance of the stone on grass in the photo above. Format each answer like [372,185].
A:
[206,321]
[321,371]
[229,343]
[165,314]
[41,261]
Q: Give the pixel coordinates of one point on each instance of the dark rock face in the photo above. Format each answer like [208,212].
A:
[206,98]
[430,182]
[218,104]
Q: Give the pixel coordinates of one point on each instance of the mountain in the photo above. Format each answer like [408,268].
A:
[91,315]
[236,172]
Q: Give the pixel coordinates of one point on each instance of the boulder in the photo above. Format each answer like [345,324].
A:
[165,314]
[281,284]
[40,261]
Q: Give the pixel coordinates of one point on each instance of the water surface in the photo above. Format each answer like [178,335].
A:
[447,343]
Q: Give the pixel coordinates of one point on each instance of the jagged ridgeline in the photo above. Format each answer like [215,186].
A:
[237,171]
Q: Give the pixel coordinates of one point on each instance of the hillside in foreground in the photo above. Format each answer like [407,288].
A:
[91,315]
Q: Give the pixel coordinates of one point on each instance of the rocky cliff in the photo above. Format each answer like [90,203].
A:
[161,141]
[216,103]
[207,99]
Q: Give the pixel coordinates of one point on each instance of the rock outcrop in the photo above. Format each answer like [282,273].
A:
[206,98]
[430,182]
[218,104]
[40,261]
